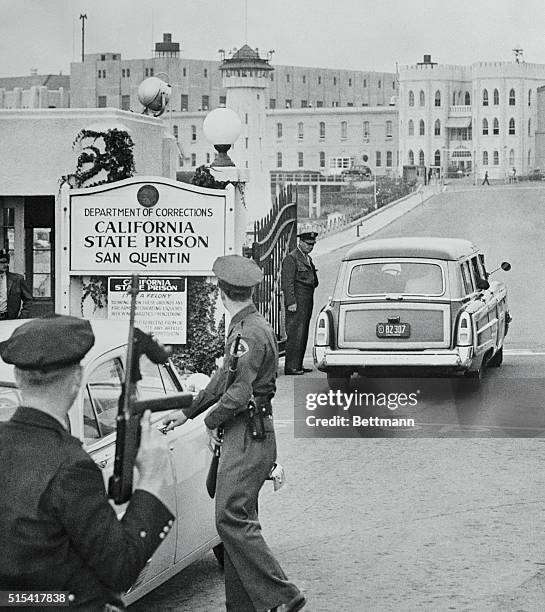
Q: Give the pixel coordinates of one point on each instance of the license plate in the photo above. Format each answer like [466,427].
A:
[393,330]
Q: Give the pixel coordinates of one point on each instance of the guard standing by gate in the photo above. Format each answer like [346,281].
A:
[299,279]
[254,581]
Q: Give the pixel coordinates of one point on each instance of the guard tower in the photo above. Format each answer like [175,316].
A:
[246,78]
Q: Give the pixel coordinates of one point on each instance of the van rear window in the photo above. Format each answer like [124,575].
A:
[406,277]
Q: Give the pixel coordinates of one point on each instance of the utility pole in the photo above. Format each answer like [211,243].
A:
[83,18]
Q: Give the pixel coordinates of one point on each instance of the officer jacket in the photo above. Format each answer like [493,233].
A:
[298,275]
[58,530]
[256,370]
[17,293]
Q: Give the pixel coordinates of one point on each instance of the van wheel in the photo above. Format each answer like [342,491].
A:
[497,360]
[339,381]
[219,554]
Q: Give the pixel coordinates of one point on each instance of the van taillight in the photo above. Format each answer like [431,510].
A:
[464,330]
[321,334]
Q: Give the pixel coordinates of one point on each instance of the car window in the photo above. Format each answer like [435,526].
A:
[478,271]
[101,396]
[407,277]
[9,400]
[466,275]
[151,384]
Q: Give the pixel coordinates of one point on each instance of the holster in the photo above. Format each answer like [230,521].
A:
[258,409]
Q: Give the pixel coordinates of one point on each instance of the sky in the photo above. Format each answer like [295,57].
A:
[349,34]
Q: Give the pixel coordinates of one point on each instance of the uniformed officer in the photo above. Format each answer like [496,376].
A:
[299,280]
[58,530]
[254,581]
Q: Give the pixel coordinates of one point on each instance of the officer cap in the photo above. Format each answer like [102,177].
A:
[308,236]
[48,343]
[237,271]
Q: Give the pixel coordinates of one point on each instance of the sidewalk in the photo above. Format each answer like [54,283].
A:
[375,221]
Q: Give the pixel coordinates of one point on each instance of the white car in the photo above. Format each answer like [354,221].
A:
[92,420]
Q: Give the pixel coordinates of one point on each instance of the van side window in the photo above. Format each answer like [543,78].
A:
[478,271]
[466,276]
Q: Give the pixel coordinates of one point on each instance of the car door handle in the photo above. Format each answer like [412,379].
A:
[102,464]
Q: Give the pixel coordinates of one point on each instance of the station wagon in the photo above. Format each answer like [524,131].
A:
[406,304]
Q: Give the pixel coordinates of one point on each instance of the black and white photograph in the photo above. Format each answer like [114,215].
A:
[272,332]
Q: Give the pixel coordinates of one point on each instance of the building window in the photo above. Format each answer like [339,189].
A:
[485,158]
[421,159]
[350,104]
[411,128]
[279,160]
[300,159]
[421,127]
[334,80]
[344,129]
[288,103]
[101,102]
[365,82]
[511,126]
[511,97]
[366,132]
[304,79]
[389,129]
[437,128]
[272,103]
[205,72]
[245,118]
[512,157]
[389,159]
[334,104]
[496,97]
[319,103]
[175,131]
[437,158]
[223,100]
[193,133]
[322,129]
[246,143]
[279,130]
[411,98]
[349,82]
[125,103]
[300,130]
[411,158]
[319,80]
[205,102]
[184,102]
[304,103]
[184,71]
[485,127]
[467,98]
[529,157]
[529,127]
[485,97]
[422,98]
[287,78]
[529,97]
[495,127]
[102,58]
[378,159]
[322,159]
[437,98]
[123,72]
[379,83]
[496,158]
[193,159]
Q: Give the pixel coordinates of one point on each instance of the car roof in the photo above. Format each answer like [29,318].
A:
[109,335]
[414,246]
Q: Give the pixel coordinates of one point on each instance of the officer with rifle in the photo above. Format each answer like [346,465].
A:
[254,581]
[58,530]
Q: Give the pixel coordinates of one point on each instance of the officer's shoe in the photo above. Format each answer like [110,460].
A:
[293,605]
[294,372]
[307,370]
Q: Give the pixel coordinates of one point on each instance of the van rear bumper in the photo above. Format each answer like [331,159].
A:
[459,358]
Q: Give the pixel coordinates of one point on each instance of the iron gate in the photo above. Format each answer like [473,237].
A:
[274,237]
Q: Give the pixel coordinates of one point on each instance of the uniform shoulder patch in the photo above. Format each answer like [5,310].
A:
[243,348]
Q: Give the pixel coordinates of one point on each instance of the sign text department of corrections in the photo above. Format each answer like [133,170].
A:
[146,228]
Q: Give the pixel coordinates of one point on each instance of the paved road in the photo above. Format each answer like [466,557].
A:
[415,524]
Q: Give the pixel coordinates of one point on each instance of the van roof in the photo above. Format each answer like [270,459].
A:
[414,246]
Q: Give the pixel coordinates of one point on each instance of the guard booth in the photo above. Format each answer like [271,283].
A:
[161,229]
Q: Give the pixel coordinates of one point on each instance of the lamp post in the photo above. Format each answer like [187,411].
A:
[222,127]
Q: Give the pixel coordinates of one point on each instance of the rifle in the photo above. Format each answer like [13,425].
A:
[212,476]
[130,410]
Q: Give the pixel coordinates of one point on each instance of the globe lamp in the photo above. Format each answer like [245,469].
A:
[222,127]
